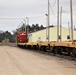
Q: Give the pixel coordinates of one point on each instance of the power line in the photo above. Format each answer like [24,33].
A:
[37,16]
[53,4]
[11,18]
[7,18]
[52,10]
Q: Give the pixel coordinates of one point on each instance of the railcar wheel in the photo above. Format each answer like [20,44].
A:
[41,49]
[60,51]
[54,51]
[34,47]
[37,47]
[73,53]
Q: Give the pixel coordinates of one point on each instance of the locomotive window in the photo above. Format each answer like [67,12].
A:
[68,36]
[59,37]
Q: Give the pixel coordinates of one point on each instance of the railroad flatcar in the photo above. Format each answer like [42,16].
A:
[61,48]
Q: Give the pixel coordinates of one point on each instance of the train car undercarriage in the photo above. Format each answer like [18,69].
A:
[67,49]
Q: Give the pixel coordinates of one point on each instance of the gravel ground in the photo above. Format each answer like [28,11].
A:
[16,61]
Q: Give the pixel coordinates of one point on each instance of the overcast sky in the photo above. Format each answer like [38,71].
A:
[35,10]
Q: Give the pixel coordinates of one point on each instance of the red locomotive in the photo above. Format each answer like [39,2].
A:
[22,37]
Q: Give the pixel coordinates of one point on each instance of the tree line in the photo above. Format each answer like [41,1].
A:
[6,37]
[29,28]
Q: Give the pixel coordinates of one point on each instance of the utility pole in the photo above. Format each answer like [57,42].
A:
[46,24]
[74,27]
[22,26]
[69,29]
[25,24]
[61,25]
[27,20]
[57,20]
[48,21]
[71,19]
[21,29]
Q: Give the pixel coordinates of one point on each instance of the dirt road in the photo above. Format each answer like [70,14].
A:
[16,61]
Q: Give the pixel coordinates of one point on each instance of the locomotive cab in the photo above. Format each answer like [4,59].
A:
[22,37]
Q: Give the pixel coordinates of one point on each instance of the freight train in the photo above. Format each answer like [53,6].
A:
[62,48]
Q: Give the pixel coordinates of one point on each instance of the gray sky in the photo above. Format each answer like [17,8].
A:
[33,9]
